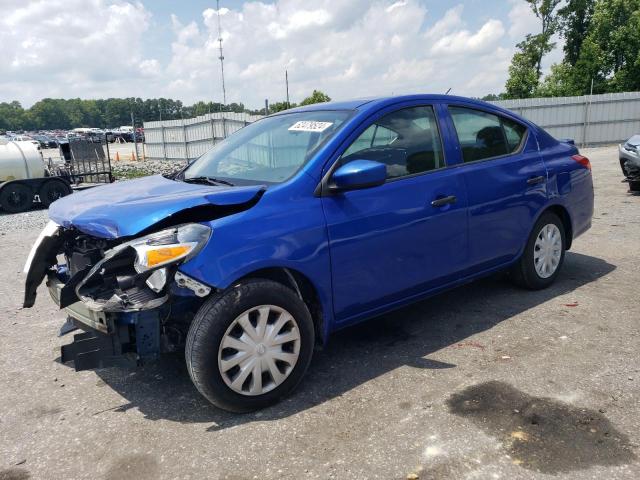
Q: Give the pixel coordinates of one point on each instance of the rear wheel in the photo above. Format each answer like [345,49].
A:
[250,346]
[16,198]
[52,190]
[543,256]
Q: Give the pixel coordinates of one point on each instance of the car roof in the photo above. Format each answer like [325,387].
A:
[375,103]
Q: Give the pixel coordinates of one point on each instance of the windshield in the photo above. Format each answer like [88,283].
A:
[270,150]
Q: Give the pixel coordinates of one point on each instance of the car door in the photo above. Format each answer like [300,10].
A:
[392,242]
[505,179]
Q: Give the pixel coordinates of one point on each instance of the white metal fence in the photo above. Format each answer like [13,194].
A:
[190,138]
[589,120]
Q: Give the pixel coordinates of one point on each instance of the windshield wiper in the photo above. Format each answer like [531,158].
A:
[208,180]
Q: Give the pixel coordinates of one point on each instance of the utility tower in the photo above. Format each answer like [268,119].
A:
[221,57]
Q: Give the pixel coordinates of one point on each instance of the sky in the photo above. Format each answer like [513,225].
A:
[346,48]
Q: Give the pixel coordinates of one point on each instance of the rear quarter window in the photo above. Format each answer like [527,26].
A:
[484,135]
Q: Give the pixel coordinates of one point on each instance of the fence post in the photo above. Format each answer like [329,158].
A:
[213,130]
[184,137]
[164,146]
[587,105]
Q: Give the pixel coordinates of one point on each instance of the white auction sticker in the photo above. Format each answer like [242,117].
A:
[310,126]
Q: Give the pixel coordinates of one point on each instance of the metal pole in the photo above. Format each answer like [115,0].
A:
[587,104]
[135,140]
[286,79]
[221,57]
[106,142]
[184,136]
[266,107]
[213,130]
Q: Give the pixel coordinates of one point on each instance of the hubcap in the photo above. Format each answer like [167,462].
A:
[259,350]
[547,250]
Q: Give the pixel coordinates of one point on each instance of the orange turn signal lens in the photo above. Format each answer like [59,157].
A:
[161,255]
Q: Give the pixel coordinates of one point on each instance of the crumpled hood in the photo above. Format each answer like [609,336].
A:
[126,208]
[635,141]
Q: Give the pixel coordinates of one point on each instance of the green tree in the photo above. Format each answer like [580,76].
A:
[526,65]
[316,97]
[11,116]
[574,21]
[614,38]
[545,11]
[523,78]
[281,106]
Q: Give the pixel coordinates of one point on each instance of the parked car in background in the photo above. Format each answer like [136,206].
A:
[25,138]
[45,141]
[303,223]
[629,155]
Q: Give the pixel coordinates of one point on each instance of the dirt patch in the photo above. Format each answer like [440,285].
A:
[42,411]
[138,467]
[542,434]
[14,474]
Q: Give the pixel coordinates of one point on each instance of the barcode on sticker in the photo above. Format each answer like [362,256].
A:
[310,126]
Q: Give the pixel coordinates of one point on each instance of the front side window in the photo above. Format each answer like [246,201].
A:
[483,135]
[270,150]
[406,141]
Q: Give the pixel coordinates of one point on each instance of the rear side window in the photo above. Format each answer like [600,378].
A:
[483,135]
[406,141]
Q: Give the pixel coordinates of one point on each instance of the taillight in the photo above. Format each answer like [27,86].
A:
[582,160]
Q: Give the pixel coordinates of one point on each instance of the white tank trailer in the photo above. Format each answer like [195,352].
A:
[24,178]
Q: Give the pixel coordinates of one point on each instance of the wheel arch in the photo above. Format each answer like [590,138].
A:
[561,212]
[304,288]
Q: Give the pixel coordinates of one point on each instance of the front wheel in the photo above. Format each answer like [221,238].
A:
[543,256]
[250,346]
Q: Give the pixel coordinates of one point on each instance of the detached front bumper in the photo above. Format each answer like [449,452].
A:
[126,314]
[79,311]
[109,339]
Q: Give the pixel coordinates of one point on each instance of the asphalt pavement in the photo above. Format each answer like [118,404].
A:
[486,381]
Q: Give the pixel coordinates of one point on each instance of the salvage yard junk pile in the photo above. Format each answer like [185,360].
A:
[460,188]
[26,179]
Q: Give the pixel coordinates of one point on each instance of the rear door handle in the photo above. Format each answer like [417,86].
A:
[535,180]
[441,202]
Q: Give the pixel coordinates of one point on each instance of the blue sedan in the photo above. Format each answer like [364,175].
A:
[303,223]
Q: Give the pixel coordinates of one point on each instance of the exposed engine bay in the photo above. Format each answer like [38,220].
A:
[125,293]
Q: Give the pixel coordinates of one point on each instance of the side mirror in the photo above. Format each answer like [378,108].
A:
[358,174]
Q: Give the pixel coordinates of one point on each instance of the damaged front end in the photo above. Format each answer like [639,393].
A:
[125,293]
[629,154]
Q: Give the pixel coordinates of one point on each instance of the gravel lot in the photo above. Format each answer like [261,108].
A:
[486,381]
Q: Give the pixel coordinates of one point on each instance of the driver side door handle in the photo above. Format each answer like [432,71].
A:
[536,180]
[441,202]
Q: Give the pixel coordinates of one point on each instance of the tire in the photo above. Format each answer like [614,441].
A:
[16,198]
[623,161]
[634,185]
[52,190]
[524,272]
[208,362]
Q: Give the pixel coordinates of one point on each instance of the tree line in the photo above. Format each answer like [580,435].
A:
[601,50]
[56,113]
